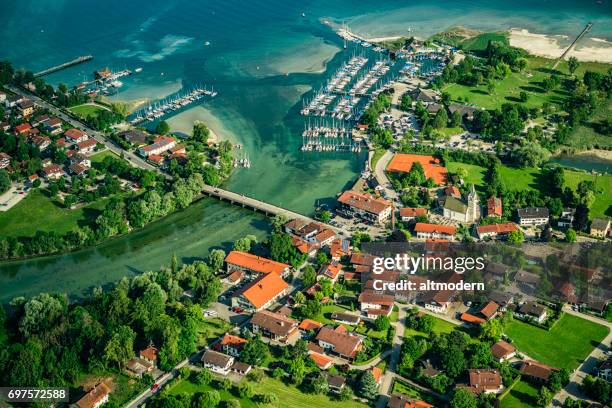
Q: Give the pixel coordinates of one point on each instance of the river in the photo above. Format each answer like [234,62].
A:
[263,57]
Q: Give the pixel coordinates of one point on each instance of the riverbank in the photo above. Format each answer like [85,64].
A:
[553,46]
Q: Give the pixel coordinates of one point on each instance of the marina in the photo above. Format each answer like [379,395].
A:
[171,104]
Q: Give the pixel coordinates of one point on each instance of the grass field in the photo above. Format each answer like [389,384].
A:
[475,174]
[288,396]
[585,136]
[565,346]
[513,178]
[98,157]
[480,42]
[440,326]
[603,184]
[87,109]
[523,394]
[530,81]
[49,216]
[211,329]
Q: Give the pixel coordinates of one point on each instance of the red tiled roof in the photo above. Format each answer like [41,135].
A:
[263,289]
[497,228]
[402,163]
[94,396]
[377,373]
[87,144]
[364,202]
[470,318]
[375,298]
[255,263]
[412,212]
[150,353]
[322,361]
[536,369]
[501,349]
[309,325]
[24,127]
[330,270]
[489,309]
[74,134]
[346,344]
[494,206]
[232,341]
[440,229]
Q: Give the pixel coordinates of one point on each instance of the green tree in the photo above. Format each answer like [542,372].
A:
[309,275]
[201,133]
[463,399]
[382,323]
[5,181]
[570,235]
[367,386]
[254,352]
[162,128]
[120,348]
[516,237]
[456,119]
[216,259]
[544,397]
[572,64]
[245,390]
[297,370]
[203,377]
[491,330]
[441,119]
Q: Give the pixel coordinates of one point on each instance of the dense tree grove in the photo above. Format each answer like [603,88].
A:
[50,342]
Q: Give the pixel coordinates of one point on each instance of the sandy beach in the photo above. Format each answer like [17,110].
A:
[588,49]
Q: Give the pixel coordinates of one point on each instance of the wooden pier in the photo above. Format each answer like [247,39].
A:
[65,65]
[573,44]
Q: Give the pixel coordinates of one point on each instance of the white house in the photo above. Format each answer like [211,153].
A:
[217,362]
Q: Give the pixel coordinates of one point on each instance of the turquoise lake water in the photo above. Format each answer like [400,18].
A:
[263,57]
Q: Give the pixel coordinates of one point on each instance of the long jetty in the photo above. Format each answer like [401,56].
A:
[65,65]
[586,29]
[256,205]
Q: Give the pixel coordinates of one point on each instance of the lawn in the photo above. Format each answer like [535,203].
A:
[566,345]
[452,131]
[288,395]
[603,186]
[378,153]
[513,178]
[475,174]
[49,216]
[88,109]
[440,326]
[99,157]
[585,136]
[481,41]
[211,329]
[523,394]
[400,387]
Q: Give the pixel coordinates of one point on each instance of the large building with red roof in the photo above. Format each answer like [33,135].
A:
[402,163]
[253,264]
[435,231]
[260,293]
[376,210]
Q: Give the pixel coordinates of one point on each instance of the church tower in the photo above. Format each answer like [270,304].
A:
[473,203]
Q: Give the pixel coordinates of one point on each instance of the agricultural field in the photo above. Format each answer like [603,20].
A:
[566,345]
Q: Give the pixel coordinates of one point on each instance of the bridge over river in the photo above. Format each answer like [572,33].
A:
[257,205]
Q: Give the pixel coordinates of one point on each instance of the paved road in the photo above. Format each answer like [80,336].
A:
[381,176]
[99,136]
[590,363]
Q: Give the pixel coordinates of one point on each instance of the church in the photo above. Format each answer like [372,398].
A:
[462,210]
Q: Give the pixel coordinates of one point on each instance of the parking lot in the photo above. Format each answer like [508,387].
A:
[12,197]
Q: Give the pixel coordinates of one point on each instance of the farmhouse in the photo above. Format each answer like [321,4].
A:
[374,304]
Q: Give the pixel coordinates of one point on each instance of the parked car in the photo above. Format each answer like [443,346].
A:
[154,387]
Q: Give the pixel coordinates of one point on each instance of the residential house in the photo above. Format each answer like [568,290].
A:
[53,126]
[23,129]
[483,381]
[409,214]
[438,302]
[600,227]
[52,171]
[403,401]
[496,231]
[217,362]
[330,270]
[503,299]
[240,368]
[489,310]
[375,304]
[138,367]
[532,310]
[466,112]
[466,211]
[261,293]
[339,248]
[254,265]
[305,247]
[605,370]
[150,355]
[25,107]
[39,120]
[160,145]
[425,95]
[274,326]
[339,342]
[42,142]
[95,398]
[308,326]
[81,159]
[87,147]
[232,345]
[494,207]
[533,216]
[526,280]
[496,271]
[371,209]
[336,383]
[12,101]
[75,136]
[433,108]
[135,137]
[346,318]
[77,169]
[503,351]
[536,371]
[435,231]
[321,360]
[566,219]
[5,160]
